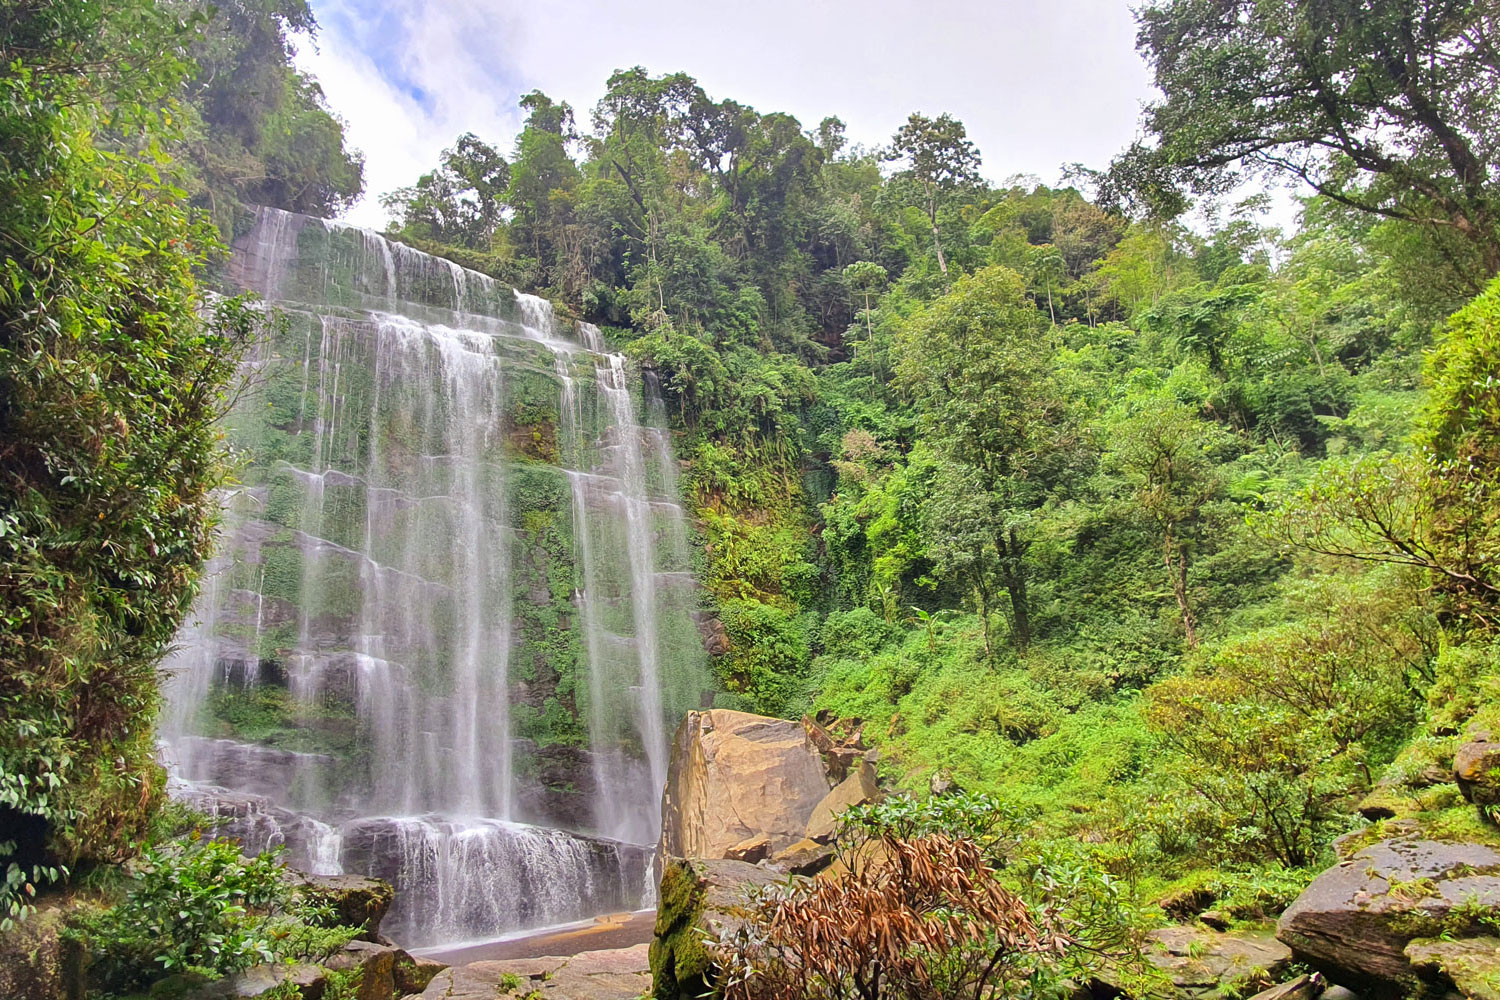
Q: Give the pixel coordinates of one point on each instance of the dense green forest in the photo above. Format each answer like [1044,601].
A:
[1177,534]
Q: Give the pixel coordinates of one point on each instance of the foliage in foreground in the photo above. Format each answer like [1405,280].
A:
[111,381]
[938,898]
[198,906]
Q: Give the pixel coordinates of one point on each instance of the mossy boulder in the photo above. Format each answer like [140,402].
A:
[1472,965]
[36,958]
[357,901]
[699,898]
[1355,921]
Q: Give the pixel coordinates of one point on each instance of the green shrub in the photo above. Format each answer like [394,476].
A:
[198,906]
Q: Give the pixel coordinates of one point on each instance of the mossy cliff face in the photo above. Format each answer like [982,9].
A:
[454,580]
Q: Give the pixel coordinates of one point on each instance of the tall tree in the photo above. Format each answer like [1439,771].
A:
[1386,106]
[978,365]
[941,159]
[1163,450]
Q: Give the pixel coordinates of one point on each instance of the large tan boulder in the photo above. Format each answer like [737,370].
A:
[856,790]
[735,777]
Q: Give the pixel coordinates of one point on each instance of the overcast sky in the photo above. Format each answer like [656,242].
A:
[1039,83]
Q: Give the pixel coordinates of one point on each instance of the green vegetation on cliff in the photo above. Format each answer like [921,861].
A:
[115,367]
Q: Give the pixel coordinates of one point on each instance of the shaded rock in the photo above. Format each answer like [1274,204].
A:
[699,899]
[35,960]
[805,857]
[1339,993]
[1471,964]
[1184,904]
[1217,919]
[309,982]
[413,973]
[1301,988]
[712,633]
[840,742]
[1201,961]
[735,776]
[618,974]
[754,850]
[1384,802]
[357,901]
[1476,768]
[855,790]
[377,963]
[1355,920]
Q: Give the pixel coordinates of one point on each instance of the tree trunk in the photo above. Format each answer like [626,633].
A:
[1015,585]
[1176,562]
[937,242]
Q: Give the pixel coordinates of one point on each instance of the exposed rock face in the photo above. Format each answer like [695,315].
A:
[735,776]
[1476,767]
[855,790]
[698,899]
[754,850]
[1201,963]
[1355,921]
[619,974]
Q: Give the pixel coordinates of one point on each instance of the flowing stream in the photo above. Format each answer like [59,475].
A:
[450,618]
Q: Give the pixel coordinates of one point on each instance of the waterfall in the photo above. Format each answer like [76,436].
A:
[449,620]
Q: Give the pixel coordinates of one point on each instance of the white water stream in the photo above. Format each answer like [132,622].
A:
[446,630]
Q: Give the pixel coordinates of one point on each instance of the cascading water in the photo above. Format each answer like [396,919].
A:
[450,617]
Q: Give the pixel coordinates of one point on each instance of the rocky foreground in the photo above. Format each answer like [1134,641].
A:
[751,800]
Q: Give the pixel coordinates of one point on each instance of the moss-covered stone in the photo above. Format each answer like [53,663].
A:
[37,961]
[699,899]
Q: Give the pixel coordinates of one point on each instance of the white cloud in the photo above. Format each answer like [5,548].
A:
[1038,83]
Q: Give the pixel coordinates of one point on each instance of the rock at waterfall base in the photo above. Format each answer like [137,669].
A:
[734,777]
[619,974]
[307,982]
[356,900]
[1356,920]
[699,899]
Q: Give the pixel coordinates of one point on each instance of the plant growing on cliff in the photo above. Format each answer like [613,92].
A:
[111,380]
